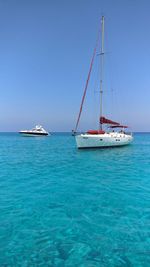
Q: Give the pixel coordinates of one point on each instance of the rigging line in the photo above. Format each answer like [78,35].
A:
[86,85]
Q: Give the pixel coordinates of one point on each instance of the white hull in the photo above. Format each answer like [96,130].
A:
[33,135]
[103,140]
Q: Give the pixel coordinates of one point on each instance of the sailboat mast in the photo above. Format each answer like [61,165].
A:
[102,69]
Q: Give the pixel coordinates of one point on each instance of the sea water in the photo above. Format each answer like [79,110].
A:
[60,206]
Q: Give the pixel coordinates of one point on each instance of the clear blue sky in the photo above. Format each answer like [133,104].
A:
[45,52]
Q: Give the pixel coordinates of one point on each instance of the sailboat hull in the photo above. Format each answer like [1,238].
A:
[103,140]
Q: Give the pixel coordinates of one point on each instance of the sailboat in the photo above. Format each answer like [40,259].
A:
[116,136]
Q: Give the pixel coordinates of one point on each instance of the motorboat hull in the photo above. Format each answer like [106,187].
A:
[103,140]
[30,134]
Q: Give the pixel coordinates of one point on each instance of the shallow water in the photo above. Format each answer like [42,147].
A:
[60,206]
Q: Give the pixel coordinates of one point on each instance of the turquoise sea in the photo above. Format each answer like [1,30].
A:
[63,207]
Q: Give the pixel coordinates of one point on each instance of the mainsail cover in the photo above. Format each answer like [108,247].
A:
[104,120]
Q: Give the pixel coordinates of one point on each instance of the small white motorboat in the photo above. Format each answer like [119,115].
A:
[37,131]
